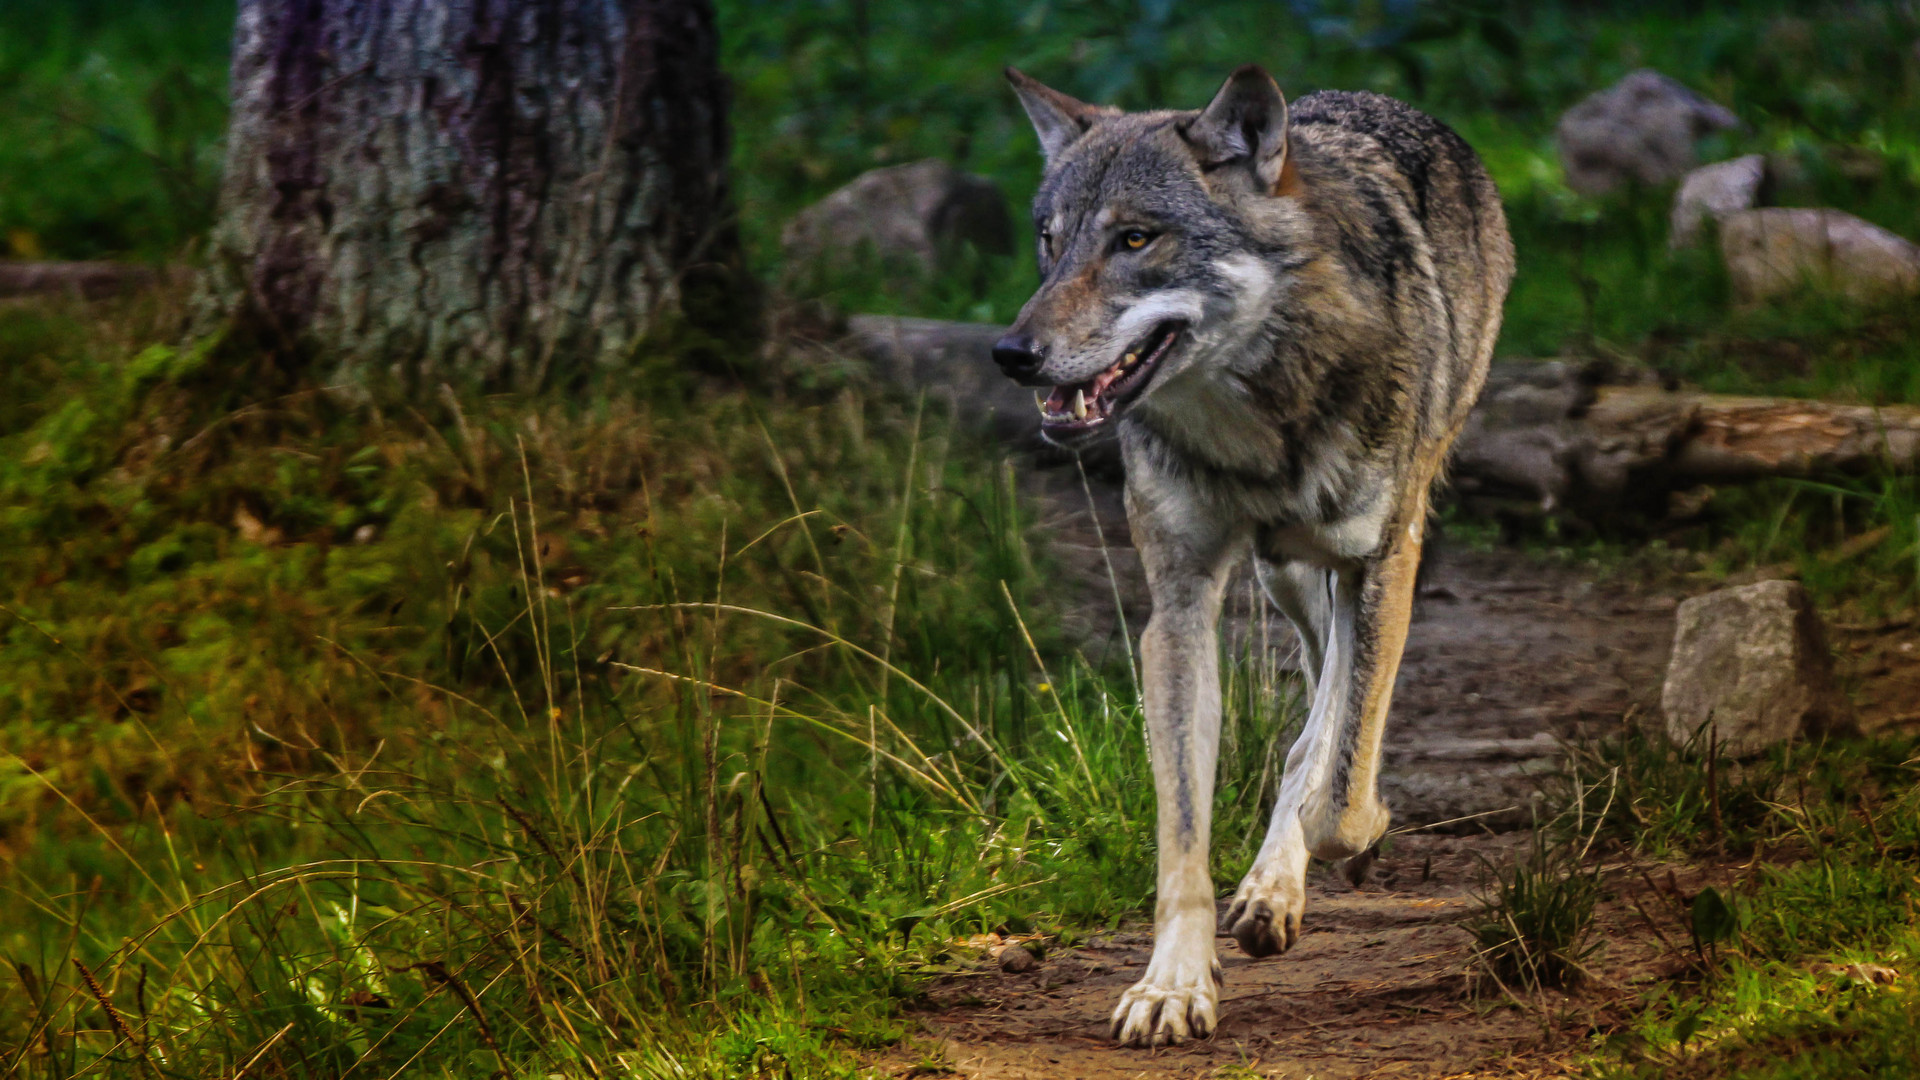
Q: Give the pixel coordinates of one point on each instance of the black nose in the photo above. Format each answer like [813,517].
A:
[1018,356]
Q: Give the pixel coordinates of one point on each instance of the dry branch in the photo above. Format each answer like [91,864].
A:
[91,280]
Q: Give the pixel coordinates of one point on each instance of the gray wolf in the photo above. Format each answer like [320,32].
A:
[1283,316]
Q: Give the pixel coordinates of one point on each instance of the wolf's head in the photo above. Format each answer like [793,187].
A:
[1158,234]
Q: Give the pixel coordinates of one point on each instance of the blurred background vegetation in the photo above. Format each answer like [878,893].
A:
[110,138]
[279,675]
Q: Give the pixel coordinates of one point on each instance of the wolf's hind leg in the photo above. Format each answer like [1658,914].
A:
[1343,815]
[1303,593]
[1267,908]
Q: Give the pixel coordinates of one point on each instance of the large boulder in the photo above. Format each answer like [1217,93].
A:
[1643,128]
[906,214]
[1752,662]
[1712,192]
[1779,251]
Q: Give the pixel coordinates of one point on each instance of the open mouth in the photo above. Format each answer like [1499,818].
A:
[1083,406]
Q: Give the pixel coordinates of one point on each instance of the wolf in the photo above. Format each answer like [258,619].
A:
[1283,315]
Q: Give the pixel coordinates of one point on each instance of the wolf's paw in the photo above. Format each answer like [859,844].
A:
[1266,921]
[1356,869]
[1179,999]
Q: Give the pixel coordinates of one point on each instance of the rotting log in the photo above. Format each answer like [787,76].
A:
[1594,441]
[1580,439]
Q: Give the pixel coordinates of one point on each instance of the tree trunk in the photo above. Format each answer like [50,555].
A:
[501,192]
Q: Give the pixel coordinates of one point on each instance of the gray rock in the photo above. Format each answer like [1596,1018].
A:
[1642,128]
[906,213]
[1016,959]
[1753,662]
[1713,191]
[1775,252]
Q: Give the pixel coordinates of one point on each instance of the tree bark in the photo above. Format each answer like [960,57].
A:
[502,192]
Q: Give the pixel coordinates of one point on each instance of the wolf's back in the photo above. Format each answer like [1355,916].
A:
[1412,203]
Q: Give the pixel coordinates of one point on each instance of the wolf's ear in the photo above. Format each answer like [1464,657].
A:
[1247,120]
[1057,118]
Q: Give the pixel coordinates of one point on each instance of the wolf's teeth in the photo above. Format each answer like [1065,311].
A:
[1040,401]
[1079,404]
[1132,359]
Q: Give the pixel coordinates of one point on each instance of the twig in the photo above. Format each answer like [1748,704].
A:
[262,1052]
[309,98]
[1713,785]
[1404,829]
[446,978]
[1655,927]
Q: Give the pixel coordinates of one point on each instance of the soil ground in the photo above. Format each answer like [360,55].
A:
[1508,656]
[1381,984]
[1377,986]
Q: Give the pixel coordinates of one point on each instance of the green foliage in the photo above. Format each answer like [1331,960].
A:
[827,91]
[111,116]
[704,720]
[681,733]
[1640,792]
[1534,927]
[1812,953]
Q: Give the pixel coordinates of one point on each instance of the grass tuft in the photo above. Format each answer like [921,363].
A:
[1534,926]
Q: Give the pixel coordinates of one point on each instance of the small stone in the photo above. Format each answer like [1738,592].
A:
[1776,252]
[1643,128]
[909,214]
[1752,661]
[1712,191]
[1016,960]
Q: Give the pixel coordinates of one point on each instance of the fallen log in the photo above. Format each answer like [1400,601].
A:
[1587,440]
[91,280]
[1594,441]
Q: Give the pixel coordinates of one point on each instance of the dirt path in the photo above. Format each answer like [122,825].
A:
[1379,986]
[1376,987]
[1507,656]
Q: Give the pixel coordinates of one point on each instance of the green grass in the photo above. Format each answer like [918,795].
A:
[1641,793]
[706,722]
[1534,926]
[1832,884]
[1818,873]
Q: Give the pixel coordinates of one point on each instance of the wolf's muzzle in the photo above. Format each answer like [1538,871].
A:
[1019,357]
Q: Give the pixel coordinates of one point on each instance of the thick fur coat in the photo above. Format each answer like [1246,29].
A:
[1284,316]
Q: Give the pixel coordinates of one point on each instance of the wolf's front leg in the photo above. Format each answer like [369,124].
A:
[1187,562]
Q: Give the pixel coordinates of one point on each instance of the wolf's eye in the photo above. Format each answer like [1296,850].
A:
[1135,239]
